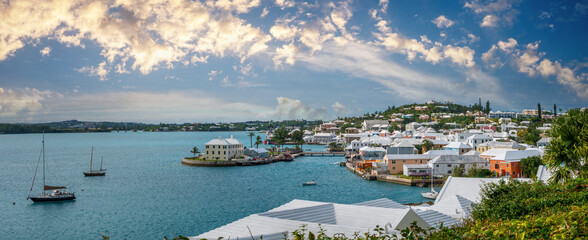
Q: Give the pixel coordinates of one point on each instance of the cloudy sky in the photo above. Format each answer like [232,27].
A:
[234,60]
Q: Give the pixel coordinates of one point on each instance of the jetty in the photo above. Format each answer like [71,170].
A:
[320,154]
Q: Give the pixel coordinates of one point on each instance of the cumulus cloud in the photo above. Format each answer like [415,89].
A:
[494,11]
[285,54]
[489,21]
[492,59]
[149,35]
[340,109]
[27,101]
[473,38]
[463,56]
[443,22]
[294,109]
[285,3]
[527,62]
[45,51]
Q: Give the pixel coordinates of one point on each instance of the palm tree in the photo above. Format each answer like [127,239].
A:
[427,145]
[195,150]
[567,152]
[258,141]
[251,134]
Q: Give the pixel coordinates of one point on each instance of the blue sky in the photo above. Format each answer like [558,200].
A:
[235,60]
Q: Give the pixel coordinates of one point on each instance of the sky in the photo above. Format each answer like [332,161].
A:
[175,61]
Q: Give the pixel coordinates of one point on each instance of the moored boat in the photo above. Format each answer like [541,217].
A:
[309,183]
[92,173]
[58,194]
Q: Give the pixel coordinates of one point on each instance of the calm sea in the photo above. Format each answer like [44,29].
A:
[148,194]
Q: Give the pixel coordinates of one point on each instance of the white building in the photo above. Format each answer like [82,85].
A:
[478,139]
[500,114]
[324,138]
[223,149]
[458,147]
[443,165]
[368,124]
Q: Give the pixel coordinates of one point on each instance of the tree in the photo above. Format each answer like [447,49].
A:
[195,151]
[567,153]
[529,165]
[251,134]
[280,136]
[297,138]
[487,110]
[539,111]
[458,171]
[554,110]
[258,141]
[427,145]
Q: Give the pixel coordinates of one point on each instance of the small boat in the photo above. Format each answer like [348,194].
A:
[58,194]
[309,183]
[432,194]
[92,173]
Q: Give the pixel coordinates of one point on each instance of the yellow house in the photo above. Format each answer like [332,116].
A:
[499,145]
[223,149]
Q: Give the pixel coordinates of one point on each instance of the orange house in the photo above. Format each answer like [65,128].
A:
[507,162]
[365,165]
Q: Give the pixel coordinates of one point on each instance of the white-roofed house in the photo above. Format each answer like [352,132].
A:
[458,147]
[223,149]
[372,153]
[334,218]
[477,139]
[396,162]
[324,138]
[443,165]
[506,162]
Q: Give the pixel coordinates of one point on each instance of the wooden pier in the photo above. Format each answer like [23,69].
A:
[321,154]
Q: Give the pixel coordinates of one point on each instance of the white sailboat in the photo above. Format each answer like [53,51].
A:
[432,194]
[57,194]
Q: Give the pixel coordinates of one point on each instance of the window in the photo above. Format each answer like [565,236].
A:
[393,161]
[507,165]
[448,165]
[496,166]
[403,160]
[461,165]
[421,161]
[449,172]
[437,165]
[393,168]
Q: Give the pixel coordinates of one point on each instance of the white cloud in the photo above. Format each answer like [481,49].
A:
[287,53]
[526,63]
[491,58]
[340,109]
[473,38]
[489,21]
[294,109]
[463,56]
[492,6]
[285,3]
[443,22]
[367,61]
[149,34]
[101,71]
[264,12]
[45,51]
[20,102]
[283,32]
[383,5]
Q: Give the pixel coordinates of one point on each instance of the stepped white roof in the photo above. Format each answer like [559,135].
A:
[333,218]
[457,145]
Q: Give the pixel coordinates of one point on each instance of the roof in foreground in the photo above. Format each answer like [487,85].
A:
[333,218]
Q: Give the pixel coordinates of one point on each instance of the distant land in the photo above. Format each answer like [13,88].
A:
[432,107]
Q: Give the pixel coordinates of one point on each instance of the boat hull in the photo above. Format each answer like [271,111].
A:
[54,198]
[430,195]
[92,174]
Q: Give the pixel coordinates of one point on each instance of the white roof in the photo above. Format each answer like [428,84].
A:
[543,174]
[407,156]
[226,141]
[510,154]
[324,135]
[434,153]
[333,218]
[479,136]
[457,145]
[458,193]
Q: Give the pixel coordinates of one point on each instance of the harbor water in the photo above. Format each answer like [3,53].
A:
[148,194]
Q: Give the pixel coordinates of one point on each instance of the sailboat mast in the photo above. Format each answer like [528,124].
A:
[43,164]
[91,156]
[102,158]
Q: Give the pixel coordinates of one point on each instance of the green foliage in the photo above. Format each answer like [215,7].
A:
[568,146]
[478,172]
[458,171]
[529,136]
[280,135]
[258,141]
[195,151]
[529,165]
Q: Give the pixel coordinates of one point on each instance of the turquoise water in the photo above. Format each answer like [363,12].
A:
[147,193]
